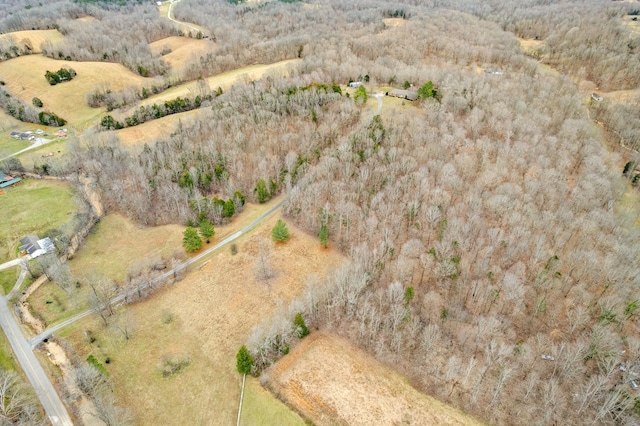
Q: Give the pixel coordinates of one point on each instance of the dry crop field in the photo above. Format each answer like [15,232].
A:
[204,318]
[331,382]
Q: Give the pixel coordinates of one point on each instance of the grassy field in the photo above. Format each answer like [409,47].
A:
[35,156]
[260,408]
[204,318]
[117,243]
[155,129]
[32,207]
[224,80]
[114,246]
[34,37]
[8,279]
[8,124]
[182,49]
[331,382]
[24,78]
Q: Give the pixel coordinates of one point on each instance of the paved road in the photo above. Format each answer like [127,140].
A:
[10,264]
[119,299]
[45,391]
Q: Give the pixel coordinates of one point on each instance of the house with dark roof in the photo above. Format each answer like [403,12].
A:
[33,247]
[25,136]
[6,180]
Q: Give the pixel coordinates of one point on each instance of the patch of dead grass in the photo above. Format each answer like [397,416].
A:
[331,382]
[394,22]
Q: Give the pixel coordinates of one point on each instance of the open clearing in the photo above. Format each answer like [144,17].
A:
[117,243]
[155,129]
[205,318]
[224,80]
[331,382]
[530,45]
[32,207]
[183,49]
[394,22]
[114,246]
[33,37]
[24,78]
[8,124]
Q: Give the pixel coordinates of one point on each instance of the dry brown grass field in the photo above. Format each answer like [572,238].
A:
[630,23]
[114,246]
[205,318]
[530,45]
[34,37]
[24,78]
[154,129]
[333,383]
[183,49]
[394,22]
[224,80]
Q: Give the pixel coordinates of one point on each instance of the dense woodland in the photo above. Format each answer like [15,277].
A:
[485,229]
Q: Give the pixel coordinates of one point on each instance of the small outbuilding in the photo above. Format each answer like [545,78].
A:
[355,84]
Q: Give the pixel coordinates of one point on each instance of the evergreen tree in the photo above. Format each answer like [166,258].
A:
[229,208]
[324,236]
[244,361]
[191,240]
[280,233]
[261,191]
[360,97]
[301,327]
[206,230]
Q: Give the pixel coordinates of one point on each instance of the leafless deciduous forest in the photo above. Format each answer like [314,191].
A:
[497,206]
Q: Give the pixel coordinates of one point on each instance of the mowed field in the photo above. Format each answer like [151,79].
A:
[183,49]
[8,124]
[24,78]
[333,383]
[117,243]
[32,206]
[205,318]
[34,37]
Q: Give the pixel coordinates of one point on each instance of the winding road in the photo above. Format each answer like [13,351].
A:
[180,22]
